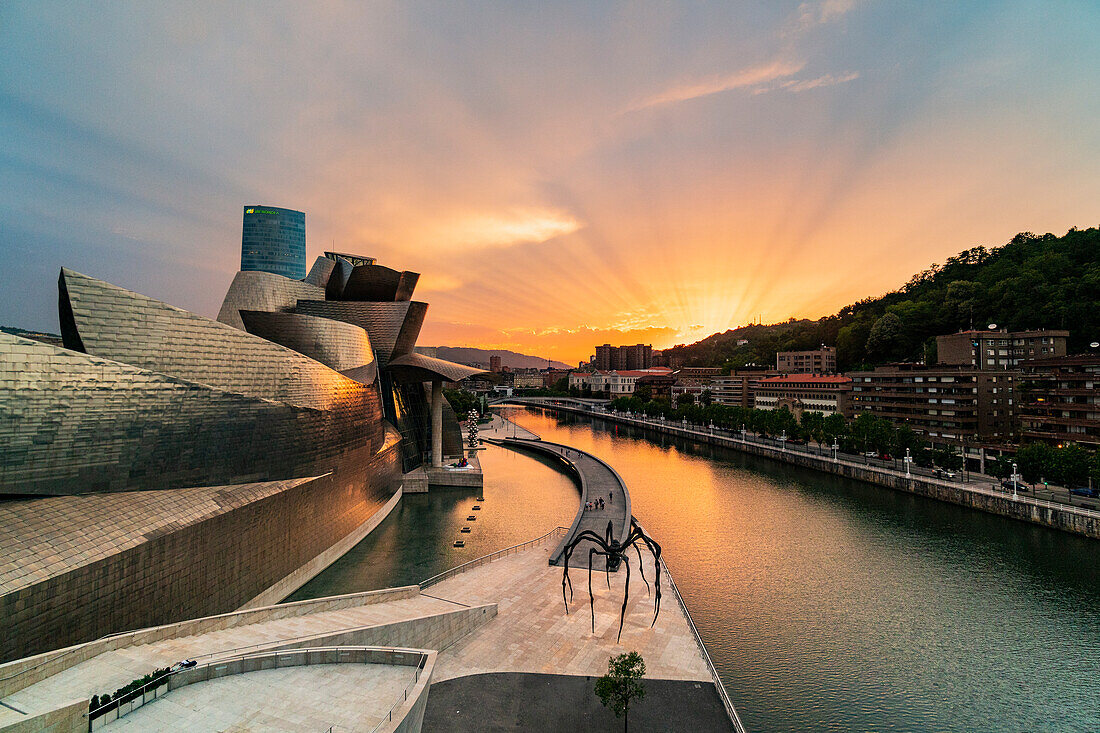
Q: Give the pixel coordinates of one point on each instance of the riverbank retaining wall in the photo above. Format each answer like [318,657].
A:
[1023,509]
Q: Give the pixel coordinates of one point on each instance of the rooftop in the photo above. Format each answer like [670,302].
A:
[806,379]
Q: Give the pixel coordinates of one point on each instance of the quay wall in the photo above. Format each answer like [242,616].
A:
[1024,509]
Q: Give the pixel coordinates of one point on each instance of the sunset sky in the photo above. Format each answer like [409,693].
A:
[562,174]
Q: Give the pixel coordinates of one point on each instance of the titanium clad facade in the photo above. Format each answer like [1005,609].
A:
[274,240]
[262,291]
[89,566]
[75,424]
[338,345]
[393,327]
[134,329]
[161,465]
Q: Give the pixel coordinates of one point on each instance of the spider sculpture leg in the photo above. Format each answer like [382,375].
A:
[564,580]
[591,598]
[656,550]
[567,553]
[626,597]
[641,567]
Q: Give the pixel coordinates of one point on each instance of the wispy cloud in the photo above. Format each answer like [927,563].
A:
[741,79]
[811,14]
[497,229]
[803,85]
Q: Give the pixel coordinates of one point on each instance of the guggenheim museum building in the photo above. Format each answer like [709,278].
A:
[160,466]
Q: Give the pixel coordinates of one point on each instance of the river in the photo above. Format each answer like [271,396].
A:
[826,604]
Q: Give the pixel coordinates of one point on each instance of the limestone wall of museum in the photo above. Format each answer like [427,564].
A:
[200,569]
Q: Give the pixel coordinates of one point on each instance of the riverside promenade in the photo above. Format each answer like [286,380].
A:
[597,480]
[983,497]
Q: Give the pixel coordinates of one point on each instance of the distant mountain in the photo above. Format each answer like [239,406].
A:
[1035,281]
[467,355]
[47,338]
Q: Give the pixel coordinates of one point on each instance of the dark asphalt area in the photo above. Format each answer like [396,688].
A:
[511,701]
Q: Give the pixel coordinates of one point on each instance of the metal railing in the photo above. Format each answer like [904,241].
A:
[61,655]
[405,697]
[126,704]
[731,711]
[927,475]
[486,559]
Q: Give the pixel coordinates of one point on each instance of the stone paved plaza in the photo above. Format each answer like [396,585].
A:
[111,670]
[532,633]
[345,697]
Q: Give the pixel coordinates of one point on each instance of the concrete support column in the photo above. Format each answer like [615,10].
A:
[437,422]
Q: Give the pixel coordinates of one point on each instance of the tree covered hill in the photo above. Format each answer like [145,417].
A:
[1034,281]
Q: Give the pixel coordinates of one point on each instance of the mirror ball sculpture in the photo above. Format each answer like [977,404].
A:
[614,552]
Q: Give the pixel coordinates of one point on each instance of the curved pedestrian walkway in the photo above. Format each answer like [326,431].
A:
[597,481]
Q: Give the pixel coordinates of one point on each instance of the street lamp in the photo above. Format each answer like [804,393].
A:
[783,440]
[836,447]
[1014,495]
[908,460]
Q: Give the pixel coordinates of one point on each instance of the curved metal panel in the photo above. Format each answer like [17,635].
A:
[410,328]
[73,423]
[377,283]
[319,273]
[263,291]
[134,329]
[385,322]
[419,368]
[336,344]
[407,285]
[338,278]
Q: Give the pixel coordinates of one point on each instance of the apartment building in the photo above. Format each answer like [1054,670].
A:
[944,405]
[999,349]
[1060,400]
[818,361]
[738,388]
[614,383]
[629,358]
[805,393]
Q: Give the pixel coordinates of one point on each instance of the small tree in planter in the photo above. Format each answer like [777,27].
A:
[622,684]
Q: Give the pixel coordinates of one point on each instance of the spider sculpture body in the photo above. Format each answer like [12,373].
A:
[614,553]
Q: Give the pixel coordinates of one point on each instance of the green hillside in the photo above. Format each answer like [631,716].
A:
[1034,281]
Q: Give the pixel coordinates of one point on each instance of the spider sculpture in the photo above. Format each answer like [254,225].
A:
[614,552]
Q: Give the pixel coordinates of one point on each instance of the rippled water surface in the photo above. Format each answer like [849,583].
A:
[826,604]
[523,498]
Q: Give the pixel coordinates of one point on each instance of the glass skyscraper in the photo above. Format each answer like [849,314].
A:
[274,240]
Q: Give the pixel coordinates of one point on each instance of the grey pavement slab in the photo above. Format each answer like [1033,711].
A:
[552,702]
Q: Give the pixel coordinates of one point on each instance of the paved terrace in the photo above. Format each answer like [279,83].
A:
[111,670]
[343,697]
[499,428]
[530,633]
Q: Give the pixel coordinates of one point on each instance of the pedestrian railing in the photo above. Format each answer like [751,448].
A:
[405,694]
[230,665]
[486,559]
[915,472]
[727,703]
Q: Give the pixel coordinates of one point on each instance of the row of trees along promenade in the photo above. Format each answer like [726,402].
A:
[1069,465]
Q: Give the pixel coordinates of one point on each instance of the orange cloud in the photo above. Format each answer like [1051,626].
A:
[714,85]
